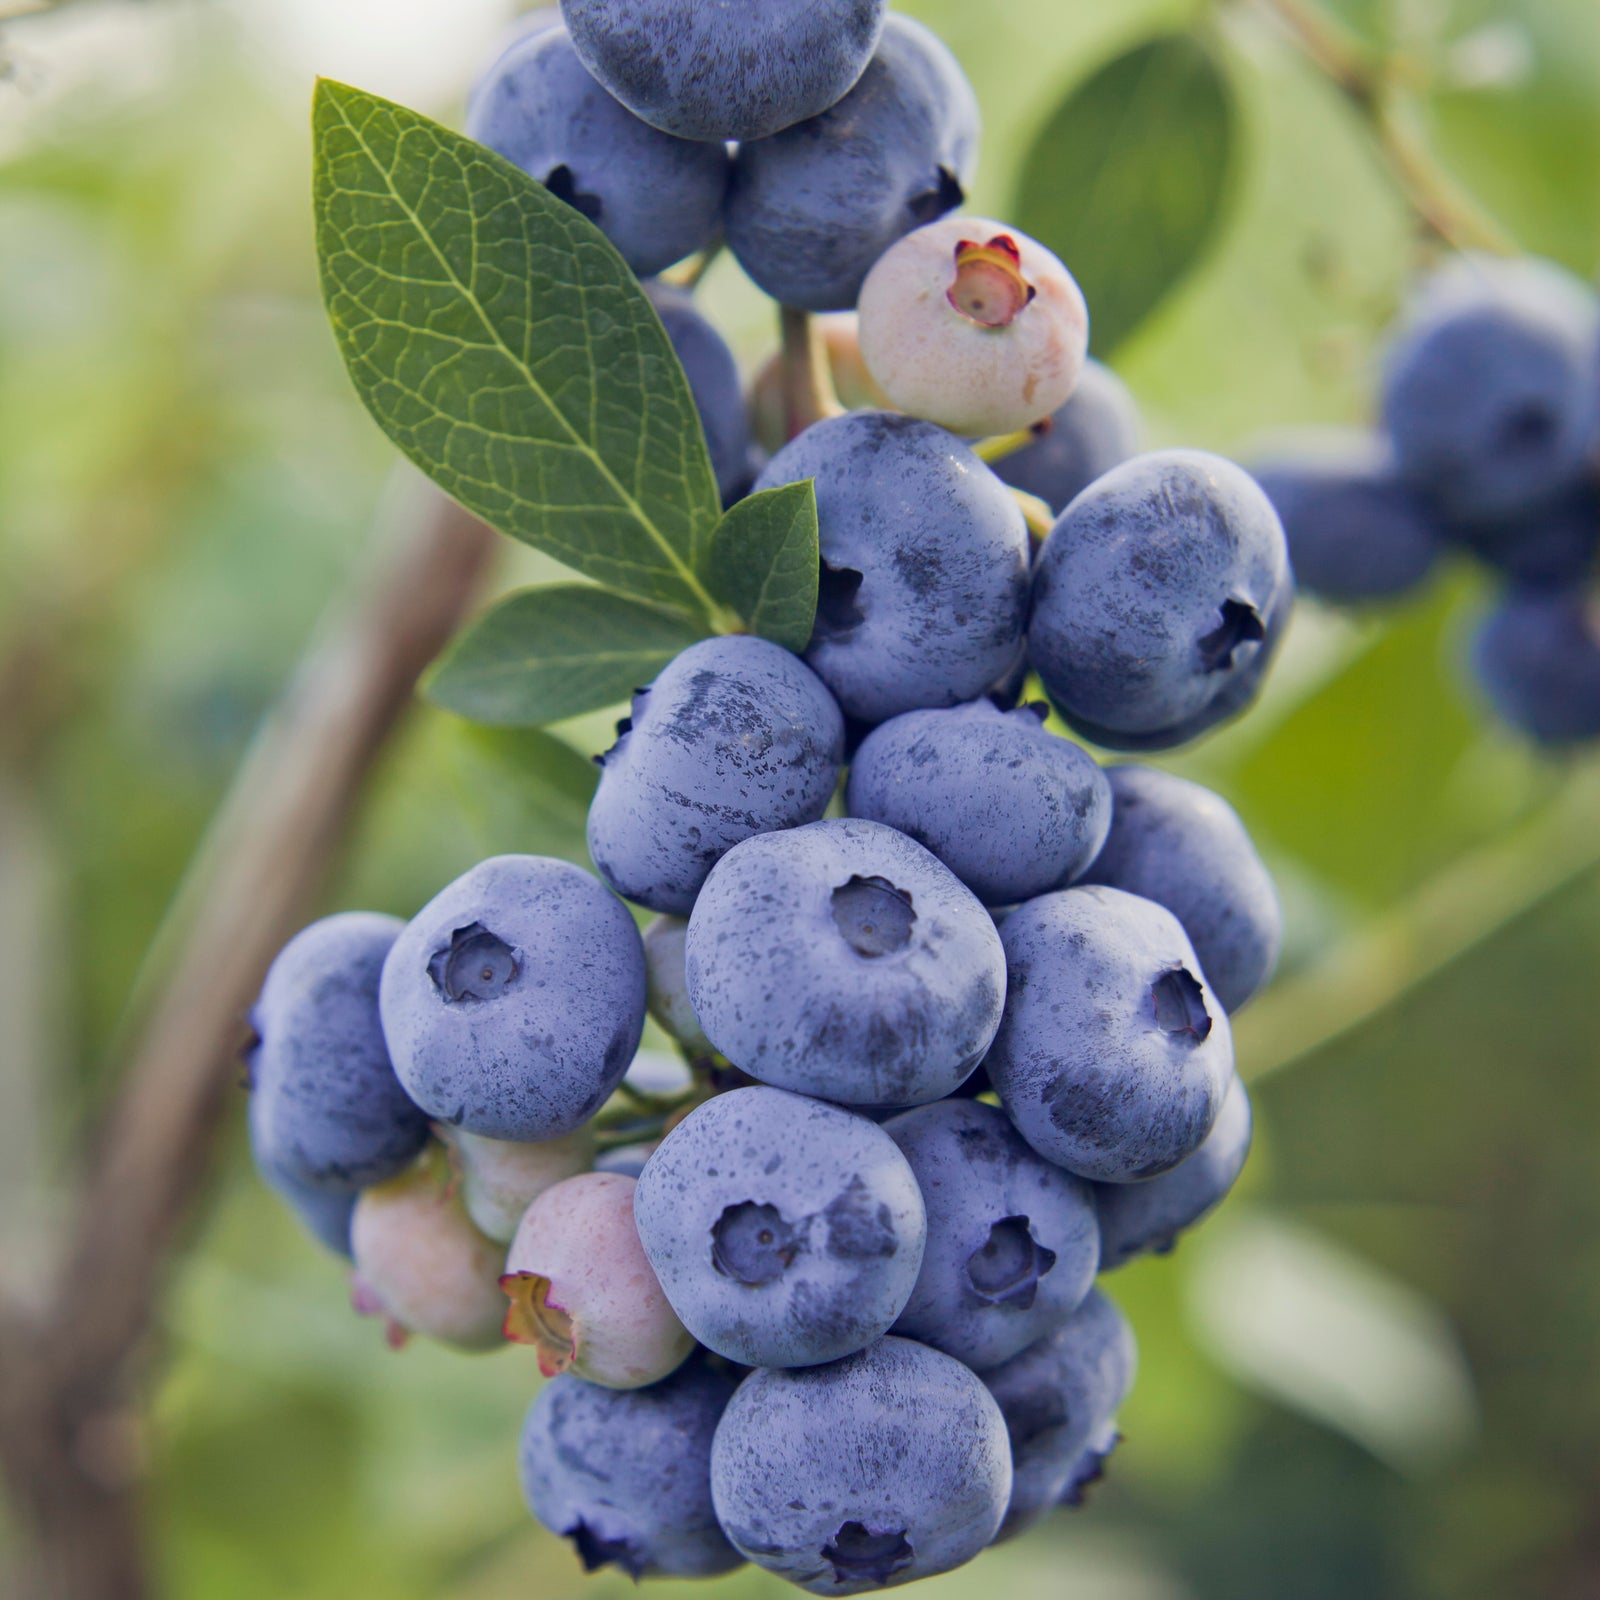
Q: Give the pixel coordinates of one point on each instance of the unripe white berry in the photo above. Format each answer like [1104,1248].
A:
[500,1179]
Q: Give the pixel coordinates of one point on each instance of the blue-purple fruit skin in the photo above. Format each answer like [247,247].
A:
[324,1213]
[925,563]
[515,999]
[1537,658]
[1059,1397]
[845,961]
[1143,1218]
[713,376]
[812,208]
[1177,843]
[1097,429]
[1158,598]
[1491,391]
[1013,1241]
[785,1232]
[1356,532]
[1012,809]
[1551,547]
[326,1109]
[740,71]
[1114,1056]
[735,737]
[886,1467]
[655,197]
[625,1474]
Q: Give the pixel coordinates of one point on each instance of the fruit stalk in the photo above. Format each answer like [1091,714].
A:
[808,394]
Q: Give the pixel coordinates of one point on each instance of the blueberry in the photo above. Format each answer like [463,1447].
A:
[738,71]
[924,563]
[1059,1397]
[713,377]
[1114,1056]
[626,1474]
[1012,1240]
[324,1213]
[1491,392]
[1012,810]
[626,1160]
[326,1110]
[669,989]
[1177,843]
[785,1232]
[514,1000]
[812,208]
[1140,1217]
[735,737]
[655,197]
[1551,547]
[1355,531]
[886,1467]
[1158,597]
[1537,657]
[843,960]
[1097,429]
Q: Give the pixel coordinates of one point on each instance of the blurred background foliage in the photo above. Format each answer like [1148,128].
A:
[1374,1375]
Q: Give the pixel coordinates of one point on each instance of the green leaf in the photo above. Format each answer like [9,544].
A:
[1126,181]
[505,347]
[764,563]
[553,652]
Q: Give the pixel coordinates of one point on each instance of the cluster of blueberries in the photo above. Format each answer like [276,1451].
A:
[952,998]
[1489,443]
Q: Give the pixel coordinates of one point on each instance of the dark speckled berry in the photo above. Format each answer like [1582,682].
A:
[844,960]
[785,1232]
[925,563]
[711,69]
[1011,809]
[886,1467]
[1012,1240]
[1097,429]
[625,1474]
[1114,1057]
[735,737]
[514,1000]
[326,1110]
[1158,598]
[324,1213]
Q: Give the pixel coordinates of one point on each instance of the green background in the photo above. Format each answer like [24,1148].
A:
[1375,1374]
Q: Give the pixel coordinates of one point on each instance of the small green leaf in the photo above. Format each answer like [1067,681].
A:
[764,563]
[505,347]
[554,652]
[1127,179]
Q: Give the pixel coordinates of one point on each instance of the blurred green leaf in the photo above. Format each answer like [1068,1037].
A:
[558,651]
[1126,180]
[764,563]
[503,344]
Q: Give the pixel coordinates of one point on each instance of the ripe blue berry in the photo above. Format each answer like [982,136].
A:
[1012,1240]
[725,71]
[514,1000]
[1097,429]
[1177,843]
[326,1110]
[735,737]
[874,1471]
[1149,1216]
[1551,547]
[1158,598]
[655,197]
[1537,656]
[785,1231]
[625,1474]
[1114,1056]
[924,563]
[324,1213]
[812,208]
[1012,810]
[843,960]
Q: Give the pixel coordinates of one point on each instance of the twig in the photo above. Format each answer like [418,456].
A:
[808,392]
[1466,904]
[1369,82]
[68,1421]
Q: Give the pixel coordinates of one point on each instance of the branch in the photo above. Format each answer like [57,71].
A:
[64,1408]
[1368,81]
[808,392]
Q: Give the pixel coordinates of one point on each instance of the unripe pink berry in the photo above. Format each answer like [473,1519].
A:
[501,1179]
[419,1258]
[583,1294]
[974,326]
